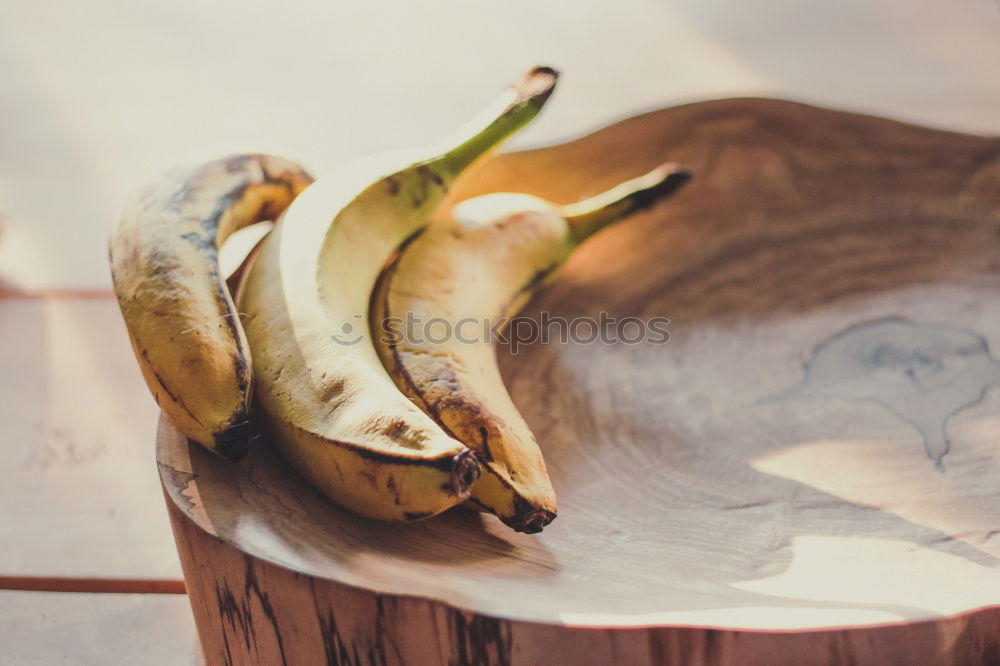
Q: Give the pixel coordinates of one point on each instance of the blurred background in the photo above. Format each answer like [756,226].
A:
[98,98]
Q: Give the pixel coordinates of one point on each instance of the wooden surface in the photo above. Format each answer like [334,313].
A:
[779,465]
[45,628]
[250,611]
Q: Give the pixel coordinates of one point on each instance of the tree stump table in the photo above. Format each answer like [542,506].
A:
[807,472]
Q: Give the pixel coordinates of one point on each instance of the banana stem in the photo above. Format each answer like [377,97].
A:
[505,116]
[589,216]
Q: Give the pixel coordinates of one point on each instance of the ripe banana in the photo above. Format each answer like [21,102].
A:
[325,398]
[465,272]
[184,328]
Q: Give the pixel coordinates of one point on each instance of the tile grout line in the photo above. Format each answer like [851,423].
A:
[106,585]
[57,293]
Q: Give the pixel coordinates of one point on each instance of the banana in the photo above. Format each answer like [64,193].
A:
[181,320]
[325,399]
[435,302]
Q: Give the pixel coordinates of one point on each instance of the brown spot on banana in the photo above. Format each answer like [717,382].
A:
[390,485]
[484,447]
[177,307]
[397,429]
[393,185]
[427,174]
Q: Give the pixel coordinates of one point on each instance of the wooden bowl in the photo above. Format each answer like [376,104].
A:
[807,472]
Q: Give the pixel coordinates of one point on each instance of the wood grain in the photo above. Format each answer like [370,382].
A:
[42,629]
[807,471]
[250,611]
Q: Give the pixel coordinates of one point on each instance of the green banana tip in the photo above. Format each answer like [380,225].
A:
[589,216]
[661,181]
[535,85]
[516,107]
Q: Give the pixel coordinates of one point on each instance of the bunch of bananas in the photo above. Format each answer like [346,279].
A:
[389,427]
